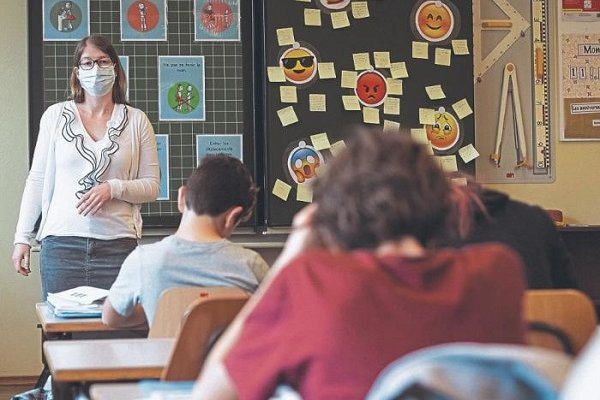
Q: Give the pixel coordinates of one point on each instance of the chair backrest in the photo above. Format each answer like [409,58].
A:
[564,310]
[205,319]
[170,310]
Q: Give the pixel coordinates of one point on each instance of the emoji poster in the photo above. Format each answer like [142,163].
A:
[143,20]
[66,20]
[181,88]
[216,20]
[330,64]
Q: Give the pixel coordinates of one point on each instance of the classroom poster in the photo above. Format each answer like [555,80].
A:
[230,145]
[124,60]
[66,20]
[217,20]
[580,90]
[162,146]
[181,88]
[143,20]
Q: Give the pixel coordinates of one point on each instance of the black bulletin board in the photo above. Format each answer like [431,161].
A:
[388,29]
[228,100]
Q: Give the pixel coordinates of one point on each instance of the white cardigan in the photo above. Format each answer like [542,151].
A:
[142,186]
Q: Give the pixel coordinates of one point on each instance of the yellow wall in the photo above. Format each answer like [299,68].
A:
[576,191]
[20,344]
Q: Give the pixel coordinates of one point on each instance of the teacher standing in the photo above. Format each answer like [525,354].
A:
[95,162]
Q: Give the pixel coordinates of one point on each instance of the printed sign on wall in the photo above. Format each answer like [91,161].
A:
[181,88]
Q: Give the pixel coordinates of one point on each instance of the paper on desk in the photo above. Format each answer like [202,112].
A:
[82,294]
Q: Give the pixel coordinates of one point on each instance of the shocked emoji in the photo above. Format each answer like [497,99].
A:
[434,21]
[371,88]
[299,65]
[445,132]
[303,162]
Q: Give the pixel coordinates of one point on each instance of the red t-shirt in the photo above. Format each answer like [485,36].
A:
[329,323]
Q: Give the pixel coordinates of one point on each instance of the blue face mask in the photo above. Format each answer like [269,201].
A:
[97,81]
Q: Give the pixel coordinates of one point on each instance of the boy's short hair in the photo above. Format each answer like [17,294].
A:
[380,188]
[219,183]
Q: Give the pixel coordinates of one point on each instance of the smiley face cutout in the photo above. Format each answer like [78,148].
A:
[334,4]
[435,20]
[299,65]
[445,133]
[371,88]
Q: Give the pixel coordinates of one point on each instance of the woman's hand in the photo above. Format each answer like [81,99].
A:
[20,258]
[91,202]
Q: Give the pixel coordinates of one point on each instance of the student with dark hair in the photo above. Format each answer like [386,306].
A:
[361,284]
[491,216]
[218,195]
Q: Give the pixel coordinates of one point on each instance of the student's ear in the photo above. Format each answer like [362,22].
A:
[181,198]
[232,217]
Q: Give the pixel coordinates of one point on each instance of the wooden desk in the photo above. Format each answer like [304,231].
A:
[130,391]
[107,360]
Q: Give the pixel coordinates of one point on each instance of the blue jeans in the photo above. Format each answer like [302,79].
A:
[68,261]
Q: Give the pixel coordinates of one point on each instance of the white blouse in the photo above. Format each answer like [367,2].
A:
[67,163]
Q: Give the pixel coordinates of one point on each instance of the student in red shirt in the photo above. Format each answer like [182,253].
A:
[360,283]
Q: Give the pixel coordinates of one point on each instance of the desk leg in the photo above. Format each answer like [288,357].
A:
[41,381]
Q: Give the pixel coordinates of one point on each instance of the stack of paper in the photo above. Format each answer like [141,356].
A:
[79,302]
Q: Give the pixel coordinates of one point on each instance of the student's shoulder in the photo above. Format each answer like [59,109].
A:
[490,254]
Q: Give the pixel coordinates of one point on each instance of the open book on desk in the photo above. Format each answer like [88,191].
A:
[79,302]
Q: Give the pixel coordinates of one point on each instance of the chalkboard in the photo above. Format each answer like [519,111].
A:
[228,98]
[390,27]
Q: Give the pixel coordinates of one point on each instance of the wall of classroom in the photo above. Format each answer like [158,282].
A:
[576,191]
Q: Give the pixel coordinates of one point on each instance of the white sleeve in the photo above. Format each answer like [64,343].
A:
[125,292]
[146,186]
[31,202]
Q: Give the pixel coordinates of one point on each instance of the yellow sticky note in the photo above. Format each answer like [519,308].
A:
[287,116]
[468,153]
[443,56]
[360,9]
[462,108]
[448,163]
[459,181]
[429,148]
[312,17]
[349,79]
[435,92]
[337,147]
[285,36]
[420,50]
[326,70]
[371,115]
[419,135]
[288,94]
[275,74]
[362,61]
[398,70]
[382,59]
[391,126]
[281,189]
[305,1]
[460,47]
[391,106]
[394,86]
[320,141]
[426,116]
[339,19]
[317,102]
[351,103]
[304,193]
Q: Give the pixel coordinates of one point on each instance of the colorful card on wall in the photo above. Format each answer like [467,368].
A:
[216,20]
[143,20]
[162,146]
[181,88]
[124,60]
[66,20]
[230,145]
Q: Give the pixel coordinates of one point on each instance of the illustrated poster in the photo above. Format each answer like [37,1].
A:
[181,88]
[66,20]
[217,20]
[143,20]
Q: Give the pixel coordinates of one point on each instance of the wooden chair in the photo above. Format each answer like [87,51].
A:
[204,320]
[170,310]
[560,319]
